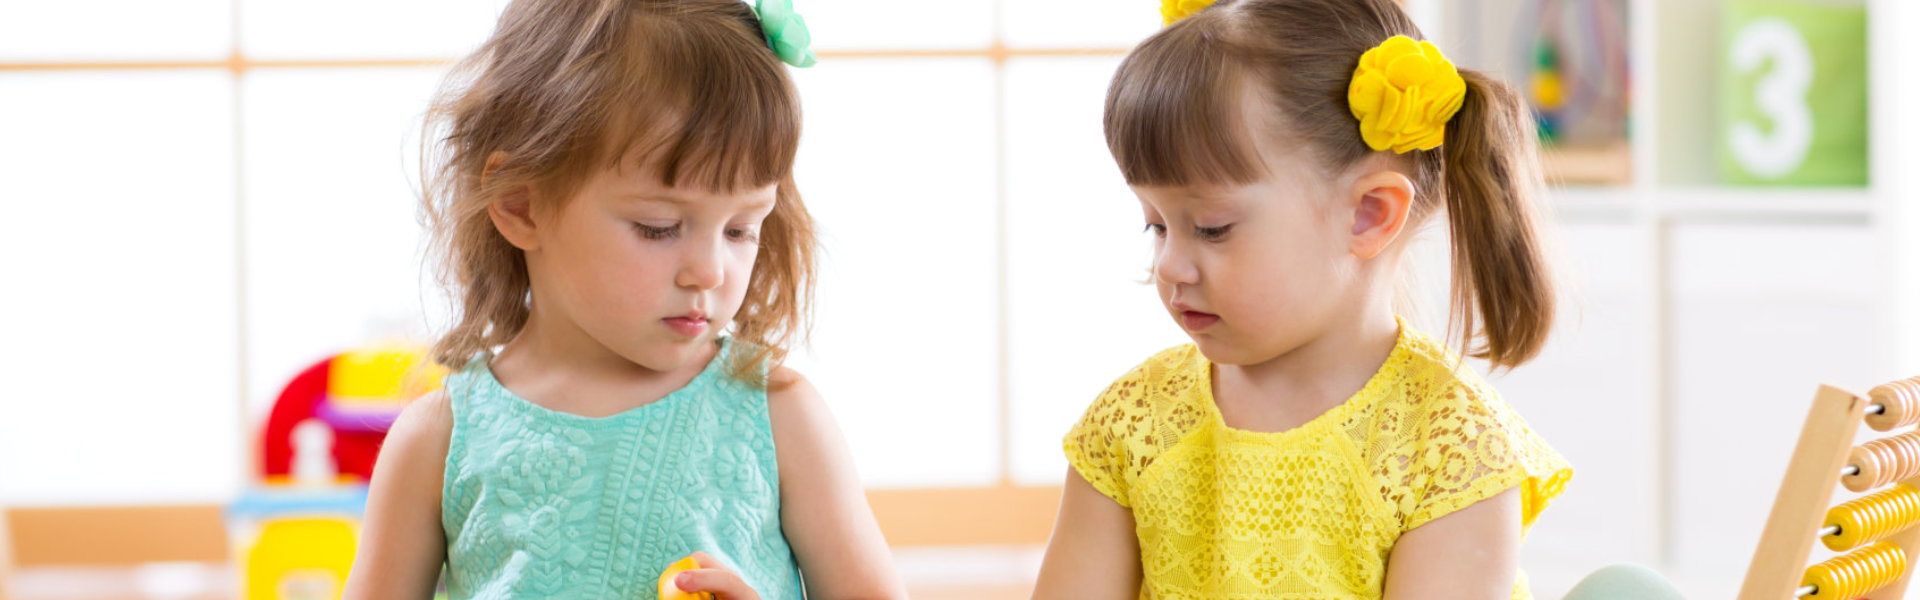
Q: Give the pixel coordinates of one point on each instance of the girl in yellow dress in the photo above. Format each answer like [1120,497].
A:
[1309,443]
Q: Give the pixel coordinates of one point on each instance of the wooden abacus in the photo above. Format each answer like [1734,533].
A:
[1875,531]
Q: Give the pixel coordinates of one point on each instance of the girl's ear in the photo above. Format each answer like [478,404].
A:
[1381,201]
[511,210]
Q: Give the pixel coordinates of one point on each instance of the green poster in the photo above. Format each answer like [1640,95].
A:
[1793,93]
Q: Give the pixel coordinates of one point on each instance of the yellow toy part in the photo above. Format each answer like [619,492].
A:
[1548,92]
[382,375]
[669,591]
[303,558]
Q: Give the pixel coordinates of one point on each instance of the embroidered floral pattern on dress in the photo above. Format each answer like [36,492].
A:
[543,504]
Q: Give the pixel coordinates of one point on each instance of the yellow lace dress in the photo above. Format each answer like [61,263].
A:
[1311,512]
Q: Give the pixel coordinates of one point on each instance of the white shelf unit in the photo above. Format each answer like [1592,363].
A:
[1703,315]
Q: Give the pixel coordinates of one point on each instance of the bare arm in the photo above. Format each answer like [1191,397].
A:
[6,560]
[402,545]
[823,509]
[1094,553]
[1469,554]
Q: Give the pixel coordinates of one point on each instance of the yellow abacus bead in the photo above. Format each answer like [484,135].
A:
[1855,573]
[1869,519]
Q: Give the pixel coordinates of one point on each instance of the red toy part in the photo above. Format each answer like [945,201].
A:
[353,452]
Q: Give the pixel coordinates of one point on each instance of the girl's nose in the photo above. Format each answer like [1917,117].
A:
[1174,266]
[703,267]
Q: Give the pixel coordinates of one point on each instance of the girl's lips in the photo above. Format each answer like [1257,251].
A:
[1195,320]
[688,326]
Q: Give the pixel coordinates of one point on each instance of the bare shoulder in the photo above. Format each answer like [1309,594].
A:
[412,463]
[402,544]
[423,428]
[792,401]
[823,510]
[785,383]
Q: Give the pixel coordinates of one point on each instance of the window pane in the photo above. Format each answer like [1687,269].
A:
[892,24]
[1079,313]
[333,244]
[122,356]
[897,167]
[1079,23]
[346,29]
[116,30]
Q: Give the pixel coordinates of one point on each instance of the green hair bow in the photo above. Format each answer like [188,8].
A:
[786,32]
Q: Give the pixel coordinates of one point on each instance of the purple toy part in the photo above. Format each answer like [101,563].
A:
[355,420]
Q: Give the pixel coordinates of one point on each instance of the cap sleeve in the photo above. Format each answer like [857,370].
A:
[1469,445]
[1097,446]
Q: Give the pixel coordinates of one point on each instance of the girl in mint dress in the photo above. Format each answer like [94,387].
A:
[610,188]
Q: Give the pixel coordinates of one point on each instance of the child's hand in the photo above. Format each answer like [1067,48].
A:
[714,578]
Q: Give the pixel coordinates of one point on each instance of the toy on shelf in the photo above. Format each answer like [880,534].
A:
[1570,58]
[295,532]
[296,544]
[357,394]
[1876,532]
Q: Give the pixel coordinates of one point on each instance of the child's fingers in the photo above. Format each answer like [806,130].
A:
[706,561]
[723,584]
[716,578]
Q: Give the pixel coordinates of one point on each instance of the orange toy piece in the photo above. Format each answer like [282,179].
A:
[669,591]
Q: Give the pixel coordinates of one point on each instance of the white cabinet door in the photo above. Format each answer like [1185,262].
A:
[1590,394]
[1761,316]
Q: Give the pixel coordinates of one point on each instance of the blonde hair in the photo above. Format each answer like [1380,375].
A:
[566,87]
[1174,116]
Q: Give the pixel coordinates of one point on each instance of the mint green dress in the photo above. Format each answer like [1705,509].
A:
[544,504]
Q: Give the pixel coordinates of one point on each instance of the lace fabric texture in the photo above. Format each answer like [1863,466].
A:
[1311,512]
[544,504]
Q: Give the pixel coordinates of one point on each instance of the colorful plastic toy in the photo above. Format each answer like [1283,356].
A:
[295,535]
[357,394]
[296,544]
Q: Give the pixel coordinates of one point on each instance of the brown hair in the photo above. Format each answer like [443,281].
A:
[1176,107]
[565,87]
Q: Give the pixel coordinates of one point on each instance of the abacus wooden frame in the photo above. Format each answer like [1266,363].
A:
[1806,492]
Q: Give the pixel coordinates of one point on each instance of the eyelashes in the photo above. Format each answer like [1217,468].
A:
[657,233]
[738,234]
[743,235]
[1211,234]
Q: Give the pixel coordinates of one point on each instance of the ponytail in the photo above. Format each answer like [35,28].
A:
[1501,280]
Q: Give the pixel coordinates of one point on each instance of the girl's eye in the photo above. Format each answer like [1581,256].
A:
[1158,229]
[1212,233]
[743,235]
[657,233]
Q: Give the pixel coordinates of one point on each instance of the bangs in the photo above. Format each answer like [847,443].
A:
[1174,113]
[715,110]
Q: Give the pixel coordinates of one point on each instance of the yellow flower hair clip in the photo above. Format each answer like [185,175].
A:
[1403,93]
[1174,10]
